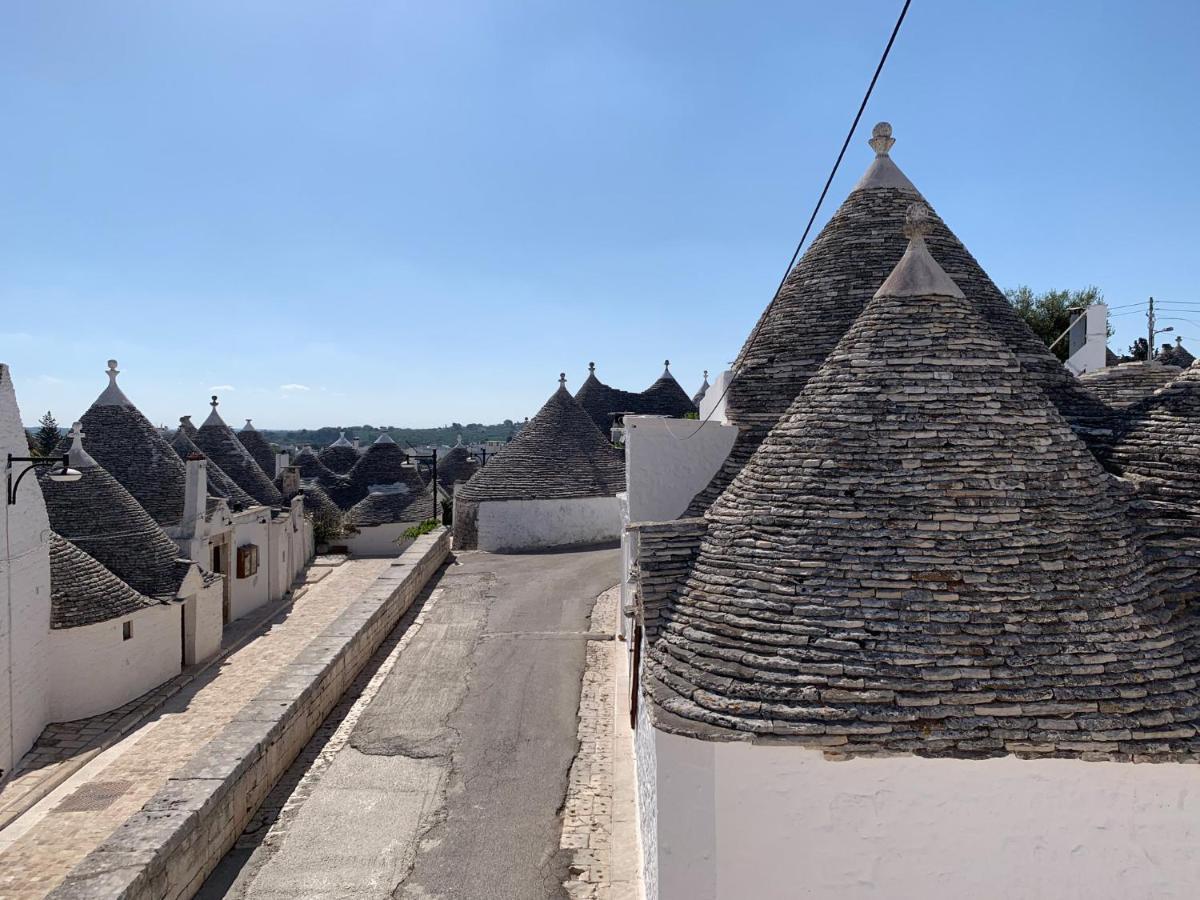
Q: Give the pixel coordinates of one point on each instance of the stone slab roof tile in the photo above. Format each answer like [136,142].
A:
[824,294]
[1122,385]
[456,466]
[922,558]
[258,447]
[217,441]
[219,484]
[83,592]
[1158,445]
[392,506]
[103,519]
[559,454]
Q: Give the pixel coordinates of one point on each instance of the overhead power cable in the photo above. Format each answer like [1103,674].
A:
[816,209]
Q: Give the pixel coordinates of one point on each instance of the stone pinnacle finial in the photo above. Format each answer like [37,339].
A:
[213,404]
[76,434]
[706,374]
[592,368]
[562,379]
[918,222]
[113,372]
[881,138]
[185,420]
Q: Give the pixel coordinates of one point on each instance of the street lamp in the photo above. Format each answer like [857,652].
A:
[63,472]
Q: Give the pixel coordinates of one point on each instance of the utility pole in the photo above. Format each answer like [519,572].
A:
[1150,332]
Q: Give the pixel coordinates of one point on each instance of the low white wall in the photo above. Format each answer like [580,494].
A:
[669,461]
[379,540]
[96,670]
[737,820]
[531,524]
[202,624]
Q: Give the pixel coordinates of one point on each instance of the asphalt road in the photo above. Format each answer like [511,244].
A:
[451,781]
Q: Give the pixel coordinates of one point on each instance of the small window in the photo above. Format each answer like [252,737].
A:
[247,560]
[126,630]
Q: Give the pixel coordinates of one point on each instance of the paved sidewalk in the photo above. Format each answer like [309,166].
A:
[38,849]
[599,818]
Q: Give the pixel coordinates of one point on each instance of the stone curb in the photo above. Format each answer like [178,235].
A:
[169,847]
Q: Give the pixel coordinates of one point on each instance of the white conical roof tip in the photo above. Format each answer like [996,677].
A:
[881,138]
[112,395]
[113,371]
[918,274]
[77,457]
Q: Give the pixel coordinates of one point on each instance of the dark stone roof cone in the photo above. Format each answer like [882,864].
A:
[310,465]
[559,454]
[217,441]
[1158,446]
[665,397]
[219,484]
[1122,385]
[455,466]
[390,506]
[831,285]
[317,502]
[104,520]
[339,457]
[600,401]
[382,463]
[83,592]
[258,447]
[700,394]
[135,453]
[922,557]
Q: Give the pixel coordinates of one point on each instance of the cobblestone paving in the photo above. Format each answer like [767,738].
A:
[588,813]
[39,859]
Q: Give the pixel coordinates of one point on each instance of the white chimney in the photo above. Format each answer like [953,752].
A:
[195,493]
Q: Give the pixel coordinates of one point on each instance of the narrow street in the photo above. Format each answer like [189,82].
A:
[444,774]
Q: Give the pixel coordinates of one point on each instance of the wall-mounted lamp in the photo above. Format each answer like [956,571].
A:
[63,472]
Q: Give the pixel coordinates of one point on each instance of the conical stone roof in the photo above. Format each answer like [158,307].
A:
[700,394]
[559,454]
[186,426]
[392,505]
[1125,384]
[217,441]
[317,502]
[83,592]
[922,557]
[135,453]
[219,484]
[456,466]
[258,447]
[309,465]
[830,286]
[382,463]
[340,456]
[1158,446]
[665,397]
[103,519]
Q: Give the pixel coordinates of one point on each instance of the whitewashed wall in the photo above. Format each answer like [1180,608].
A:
[249,594]
[532,524]
[713,405]
[379,540]
[25,663]
[735,820]
[669,461]
[202,624]
[95,670]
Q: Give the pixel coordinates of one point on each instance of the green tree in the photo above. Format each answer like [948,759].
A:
[1049,314]
[47,435]
[1137,351]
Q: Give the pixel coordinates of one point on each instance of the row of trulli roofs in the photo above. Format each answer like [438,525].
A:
[130,571]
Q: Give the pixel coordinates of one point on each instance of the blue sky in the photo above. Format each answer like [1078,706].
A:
[412,213]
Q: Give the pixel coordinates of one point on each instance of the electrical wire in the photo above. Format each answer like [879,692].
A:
[816,210]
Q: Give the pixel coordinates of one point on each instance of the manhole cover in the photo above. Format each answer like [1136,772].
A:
[94,796]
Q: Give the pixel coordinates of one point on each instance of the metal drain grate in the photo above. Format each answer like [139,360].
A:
[94,796]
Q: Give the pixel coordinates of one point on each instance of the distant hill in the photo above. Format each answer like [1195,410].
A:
[446,434]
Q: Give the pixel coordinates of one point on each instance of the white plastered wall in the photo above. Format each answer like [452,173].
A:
[249,594]
[379,540]
[734,820]
[533,524]
[669,461]
[202,623]
[25,663]
[96,670]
